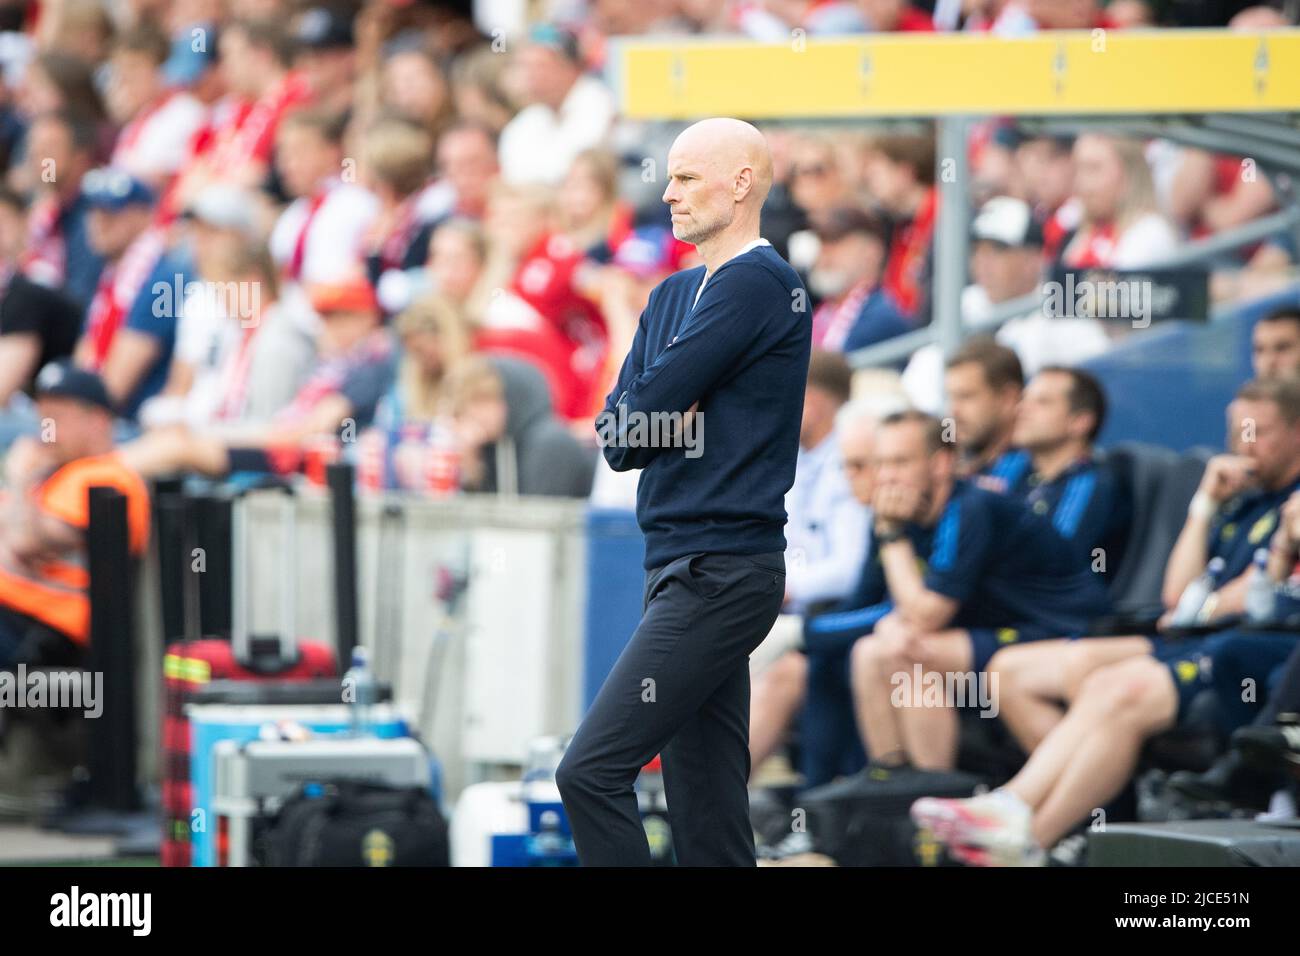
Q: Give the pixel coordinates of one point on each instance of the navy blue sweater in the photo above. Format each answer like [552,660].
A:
[742,353]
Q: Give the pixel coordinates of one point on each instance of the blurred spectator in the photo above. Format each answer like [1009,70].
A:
[895,16]
[413,86]
[81,28]
[354,370]
[56,82]
[59,254]
[1121,227]
[435,340]
[826,536]
[237,144]
[155,120]
[818,179]
[534,310]
[128,333]
[1007,265]
[44,607]
[1045,167]
[319,236]
[37,324]
[1211,193]
[239,357]
[467,161]
[326,55]
[901,178]
[457,255]
[856,310]
[396,166]
[510,441]
[591,214]
[565,111]
[476,90]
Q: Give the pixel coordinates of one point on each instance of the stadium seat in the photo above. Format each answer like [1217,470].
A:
[1160,483]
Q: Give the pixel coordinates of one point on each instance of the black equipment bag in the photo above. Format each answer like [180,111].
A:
[863,820]
[356,824]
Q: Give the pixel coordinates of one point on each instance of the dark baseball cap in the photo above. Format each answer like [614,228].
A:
[115,189]
[62,379]
[842,221]
[321,28]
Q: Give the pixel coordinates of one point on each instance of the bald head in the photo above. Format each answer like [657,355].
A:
[719,175]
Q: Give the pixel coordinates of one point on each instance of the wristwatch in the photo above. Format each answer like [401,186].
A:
[889,537]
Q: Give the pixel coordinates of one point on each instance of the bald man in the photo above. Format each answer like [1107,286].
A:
[727,342]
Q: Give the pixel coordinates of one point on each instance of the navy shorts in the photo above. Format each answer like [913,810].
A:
[987,641]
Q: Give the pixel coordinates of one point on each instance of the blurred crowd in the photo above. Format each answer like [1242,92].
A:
[280,232]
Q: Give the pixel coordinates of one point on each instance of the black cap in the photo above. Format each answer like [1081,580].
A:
[843,221]
[62,379]
[320,28]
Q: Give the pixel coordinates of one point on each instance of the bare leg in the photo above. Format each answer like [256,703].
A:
[930,732]
[1125,704]
[778,693]
[1035,681]
[873,660]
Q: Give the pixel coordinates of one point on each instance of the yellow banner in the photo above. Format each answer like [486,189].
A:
[1075,73]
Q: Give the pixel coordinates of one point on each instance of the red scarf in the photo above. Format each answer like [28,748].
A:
[119,285]
[1092,248]
[907,252]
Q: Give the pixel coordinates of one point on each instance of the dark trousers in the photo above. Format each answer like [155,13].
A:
[680,689]
[830,744]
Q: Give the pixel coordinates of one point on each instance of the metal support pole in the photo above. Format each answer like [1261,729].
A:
[952,231]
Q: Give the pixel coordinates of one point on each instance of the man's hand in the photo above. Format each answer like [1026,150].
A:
[26,458]
[1225,476]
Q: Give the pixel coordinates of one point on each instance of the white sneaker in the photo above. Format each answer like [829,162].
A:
[988,830]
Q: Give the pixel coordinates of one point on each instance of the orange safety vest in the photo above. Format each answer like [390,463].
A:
[56,592]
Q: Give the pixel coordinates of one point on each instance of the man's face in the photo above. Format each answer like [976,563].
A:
[73,425]
[466,159]
[1257,430]
[132,84]
[304,159]
[49,148]
[109,231]
[1004,272]
[1275,349]
[1044,420]
[979,411]
[815,181]
[1098,177]
[901,458]
[856,448]
[327,70]
[699,193]
[238,65]
[843,263]
[544,75]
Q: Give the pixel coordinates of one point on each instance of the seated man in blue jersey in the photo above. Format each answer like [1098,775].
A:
[983,384]
[1090,755]
[1232,514]
[966,571]
[1053,470]
[1061,413]
[1268,656]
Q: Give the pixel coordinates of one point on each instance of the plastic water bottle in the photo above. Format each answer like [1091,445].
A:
[1193,599]
[1260,593]
[364,688]
[549,846]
